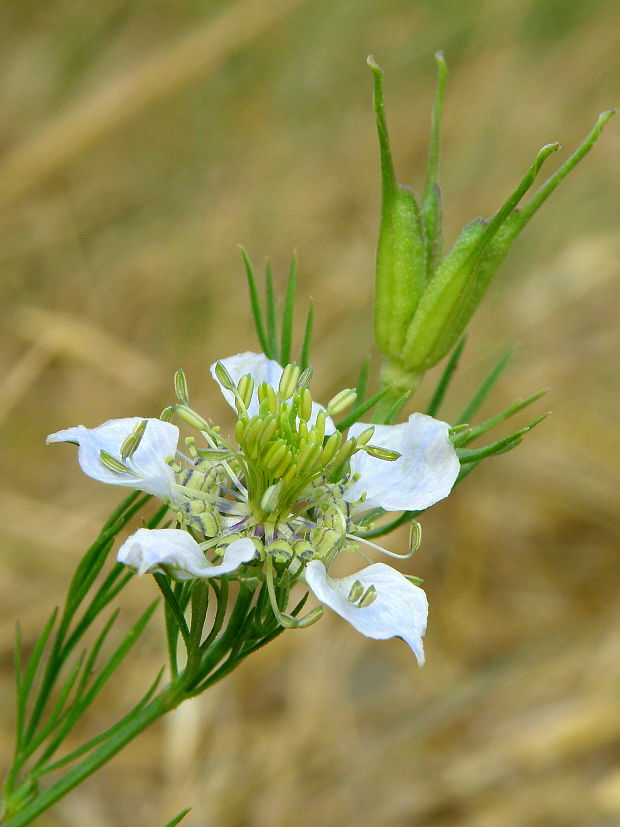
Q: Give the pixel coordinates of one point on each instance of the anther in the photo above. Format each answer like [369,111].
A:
[341,401]
[369,597]
[288,381]
[130,444]
[180,387]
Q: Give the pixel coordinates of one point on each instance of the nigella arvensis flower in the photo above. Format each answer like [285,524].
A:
[288,494]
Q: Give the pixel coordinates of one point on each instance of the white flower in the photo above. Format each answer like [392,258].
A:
[177,553]
[147,469]
[399,609]
[274,493]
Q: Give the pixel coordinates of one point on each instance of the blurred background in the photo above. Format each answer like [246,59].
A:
[141,142]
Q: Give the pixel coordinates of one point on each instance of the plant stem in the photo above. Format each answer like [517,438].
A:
[167,700]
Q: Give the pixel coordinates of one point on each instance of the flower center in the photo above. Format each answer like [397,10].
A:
[283,485]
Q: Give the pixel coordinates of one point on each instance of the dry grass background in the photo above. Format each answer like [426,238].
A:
[141,141]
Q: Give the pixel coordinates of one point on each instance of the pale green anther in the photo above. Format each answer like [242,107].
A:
[327,540]
[275,455]
[269,428]
[341,401]
[289,380]
[208,523]
[193,419]
[271,498]
[381,453]
[180,387]
[308,458]
[245,389]
[267,395]
[167,415]
[114,464]
[252,431]
[302,432]
[305,404]
[224,377]
[240,429]
[368,598]
[331,446]
[401,251]
[365,436]
[415,536]
[291,474]
[190,444]
[304,379]
[131,443]
[316,613]
[346,452]
[280,550]
[319,426]
[303,549]
[356,591]
[283,465]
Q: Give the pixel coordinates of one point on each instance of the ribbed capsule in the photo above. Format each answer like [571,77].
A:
[437,303]
[400,274]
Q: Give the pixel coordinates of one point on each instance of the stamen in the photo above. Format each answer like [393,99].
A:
[130,444]
[378,548]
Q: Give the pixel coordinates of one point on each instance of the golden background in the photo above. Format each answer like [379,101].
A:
[141,142]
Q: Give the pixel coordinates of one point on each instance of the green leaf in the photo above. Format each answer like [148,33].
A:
[272,324]
[172,604]
[305,348]
[177,819]
[362,380]
[360,410]
[477,430]
[446,378]
[256,312]
[287,314]
[466,455]
[98,739]
[484,389]
[431,201]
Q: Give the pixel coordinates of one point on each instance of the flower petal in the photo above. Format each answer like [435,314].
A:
[261,369]
[399,610]
[151,473]
[424,473]
[176,552]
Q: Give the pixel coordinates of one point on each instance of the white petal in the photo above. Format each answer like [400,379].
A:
[151,473]
[261,369]
[176,551]
[424,473]
[399,610]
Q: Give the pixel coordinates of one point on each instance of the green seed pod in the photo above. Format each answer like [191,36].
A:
[439,298]
[401,252]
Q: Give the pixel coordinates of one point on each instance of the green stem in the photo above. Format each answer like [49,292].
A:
[167,700]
